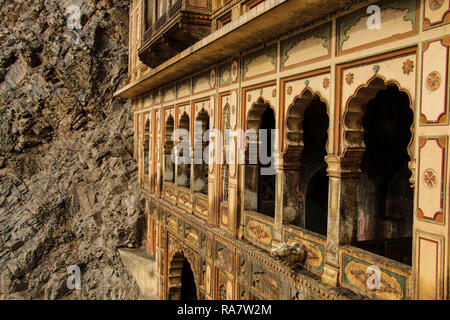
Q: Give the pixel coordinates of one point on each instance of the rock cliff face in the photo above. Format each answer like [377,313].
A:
[68,180]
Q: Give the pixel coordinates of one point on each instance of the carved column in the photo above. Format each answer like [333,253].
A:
[342,212]
[191,175]
[287,202]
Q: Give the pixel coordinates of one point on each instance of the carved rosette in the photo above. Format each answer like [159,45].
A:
[433,81]
[408,67]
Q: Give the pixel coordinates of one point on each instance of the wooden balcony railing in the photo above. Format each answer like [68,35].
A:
[161,22]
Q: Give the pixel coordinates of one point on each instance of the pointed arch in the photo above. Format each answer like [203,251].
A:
[255,113]
[353,132]
[377,136]
[293,136]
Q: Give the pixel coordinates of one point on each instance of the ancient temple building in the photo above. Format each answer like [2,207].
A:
[356,93]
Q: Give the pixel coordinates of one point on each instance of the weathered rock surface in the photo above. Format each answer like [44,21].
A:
[68,180]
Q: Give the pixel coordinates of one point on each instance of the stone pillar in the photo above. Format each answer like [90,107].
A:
[342,212]
[287,209]
[191,177]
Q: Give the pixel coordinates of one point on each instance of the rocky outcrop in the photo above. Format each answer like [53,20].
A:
[68,181]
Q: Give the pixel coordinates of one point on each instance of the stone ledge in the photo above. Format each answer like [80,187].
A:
[266,21]
[143,269]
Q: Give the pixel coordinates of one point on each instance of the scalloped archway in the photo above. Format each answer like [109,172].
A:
[182,273]
[353,131]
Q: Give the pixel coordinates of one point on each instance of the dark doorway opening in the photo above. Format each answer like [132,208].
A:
[188,287]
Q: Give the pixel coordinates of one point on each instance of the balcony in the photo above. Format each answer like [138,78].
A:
[179,28]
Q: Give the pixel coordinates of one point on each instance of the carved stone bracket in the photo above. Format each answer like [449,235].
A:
[293,255]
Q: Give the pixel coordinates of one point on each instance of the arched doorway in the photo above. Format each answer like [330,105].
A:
[181,279]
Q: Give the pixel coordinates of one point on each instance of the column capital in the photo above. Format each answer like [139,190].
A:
[290,160]
[343,167]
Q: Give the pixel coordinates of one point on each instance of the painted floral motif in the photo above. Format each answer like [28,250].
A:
[249,98]
[326,83]
[274,93]
[349,78]
[408,67]
[436,4]
[433,81]
[258,231]
[429,178]
[289,90]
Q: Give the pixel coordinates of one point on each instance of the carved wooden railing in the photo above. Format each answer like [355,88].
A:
[161,22]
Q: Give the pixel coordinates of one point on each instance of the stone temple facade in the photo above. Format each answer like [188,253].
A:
[355,99]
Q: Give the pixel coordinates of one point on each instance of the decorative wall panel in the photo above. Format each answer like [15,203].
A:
[432,168]
[434,106]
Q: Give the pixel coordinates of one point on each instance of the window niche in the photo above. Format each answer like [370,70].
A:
[305,192]
[183,168]
[259,184]
[200,164]
[169,165]
[384,195]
